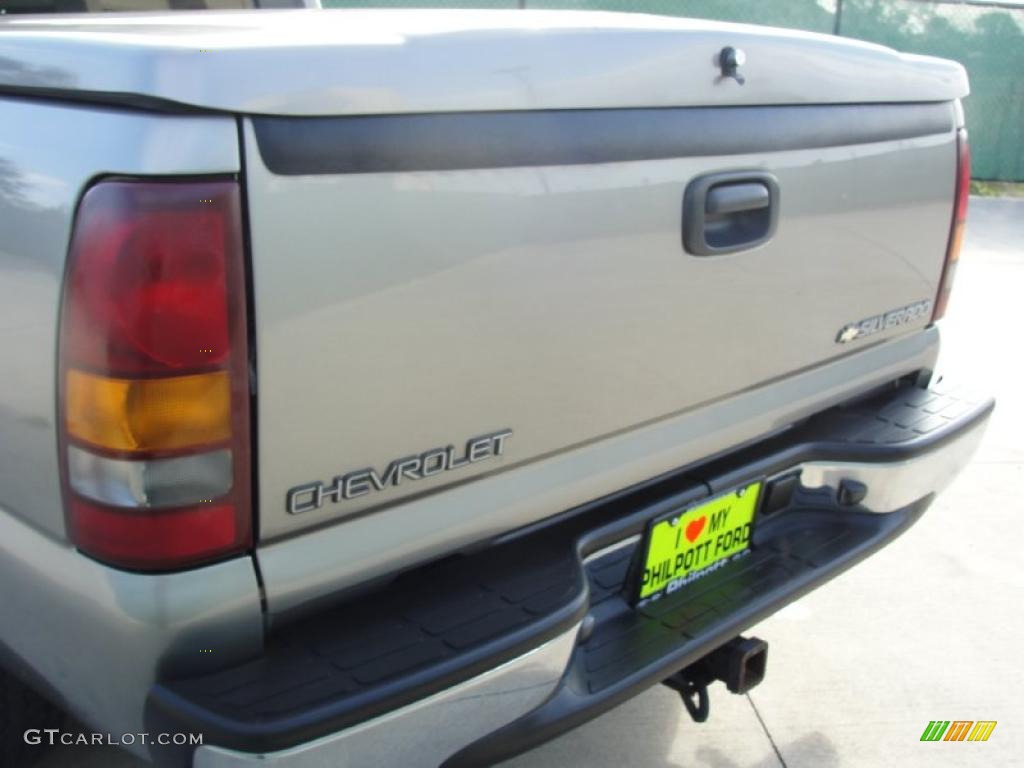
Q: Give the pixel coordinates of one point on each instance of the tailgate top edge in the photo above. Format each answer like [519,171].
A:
[517,62]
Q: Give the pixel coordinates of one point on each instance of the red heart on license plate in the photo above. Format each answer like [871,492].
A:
[693,529]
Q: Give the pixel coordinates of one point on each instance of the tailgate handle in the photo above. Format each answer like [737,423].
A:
[733,198]
[728,212]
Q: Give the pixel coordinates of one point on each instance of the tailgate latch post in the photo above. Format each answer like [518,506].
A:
[730,60]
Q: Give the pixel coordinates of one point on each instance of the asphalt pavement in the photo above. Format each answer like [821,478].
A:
[928,629]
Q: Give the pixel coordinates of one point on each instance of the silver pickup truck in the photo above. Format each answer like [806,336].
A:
[409,387]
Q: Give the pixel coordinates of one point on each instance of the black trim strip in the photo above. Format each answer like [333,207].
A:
[450,141]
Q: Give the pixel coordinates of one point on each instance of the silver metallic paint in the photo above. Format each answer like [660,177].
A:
[408,62]
[386,61]
[48,154]
[871,325]
[425,733]
[557,301]
[100,636]
[304,572]
[310,496]
[96,634]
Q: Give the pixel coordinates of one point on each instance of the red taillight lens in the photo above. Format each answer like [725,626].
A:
[956,232]
[153,300]
[149,541]
[154,394]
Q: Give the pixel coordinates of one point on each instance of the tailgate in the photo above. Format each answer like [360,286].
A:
[439,297]
[475,240]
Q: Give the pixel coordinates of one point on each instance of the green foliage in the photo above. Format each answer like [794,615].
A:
[506,4]
[997,189]
[810,15]
[987,40]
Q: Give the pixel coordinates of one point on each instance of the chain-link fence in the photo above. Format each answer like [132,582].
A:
[986,37]
[988,40]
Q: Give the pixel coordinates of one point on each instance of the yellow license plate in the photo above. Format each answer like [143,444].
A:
[686,545]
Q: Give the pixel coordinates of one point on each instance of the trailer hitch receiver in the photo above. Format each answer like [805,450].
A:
[740,664]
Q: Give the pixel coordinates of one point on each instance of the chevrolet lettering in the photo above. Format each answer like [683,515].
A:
[310,496]
[242,248]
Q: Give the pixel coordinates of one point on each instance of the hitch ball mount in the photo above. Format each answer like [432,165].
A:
[740,664]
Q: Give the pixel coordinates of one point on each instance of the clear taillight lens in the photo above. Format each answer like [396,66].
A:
[956,231]
[154,395]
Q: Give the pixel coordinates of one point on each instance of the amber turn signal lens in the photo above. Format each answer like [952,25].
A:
[164,414]
[154,375]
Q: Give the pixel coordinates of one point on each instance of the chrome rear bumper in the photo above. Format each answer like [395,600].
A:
[899,448]
[897,484]
[429,731]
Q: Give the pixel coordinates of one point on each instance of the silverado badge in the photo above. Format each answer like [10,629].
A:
[891,319]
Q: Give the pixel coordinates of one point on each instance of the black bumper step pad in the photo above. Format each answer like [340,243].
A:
[428,630]
[441,624]
[631,649]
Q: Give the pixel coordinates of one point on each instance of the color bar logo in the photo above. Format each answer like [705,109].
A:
[958,730]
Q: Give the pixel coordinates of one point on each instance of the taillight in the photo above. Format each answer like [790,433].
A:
[956,231]
[154,392]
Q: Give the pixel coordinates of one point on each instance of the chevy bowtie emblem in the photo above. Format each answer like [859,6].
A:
[891,319]
[848,334]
